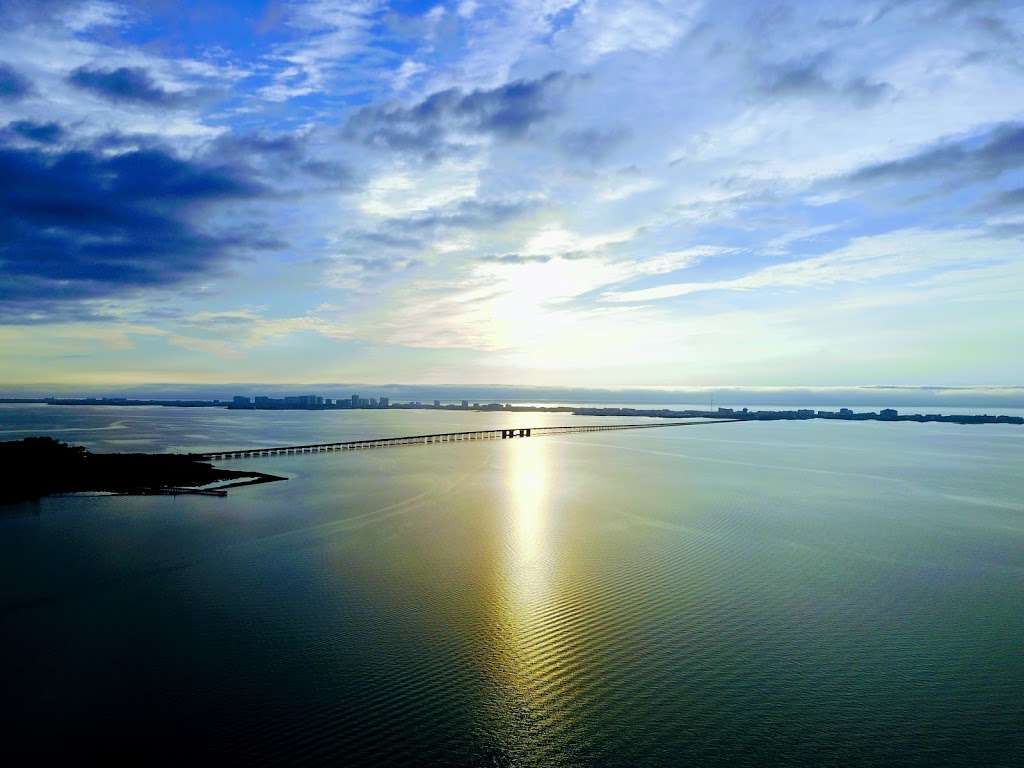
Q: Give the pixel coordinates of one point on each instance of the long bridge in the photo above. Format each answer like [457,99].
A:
[441,437]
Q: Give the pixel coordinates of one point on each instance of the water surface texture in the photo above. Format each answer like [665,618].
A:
[803,593]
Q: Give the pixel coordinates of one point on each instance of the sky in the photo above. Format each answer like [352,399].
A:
[626,193]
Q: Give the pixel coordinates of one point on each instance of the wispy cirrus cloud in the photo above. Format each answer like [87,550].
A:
[866,259]
[328,35]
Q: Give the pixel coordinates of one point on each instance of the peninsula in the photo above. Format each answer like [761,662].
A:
[41,466]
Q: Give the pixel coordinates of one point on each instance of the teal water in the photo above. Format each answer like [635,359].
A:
[801,593]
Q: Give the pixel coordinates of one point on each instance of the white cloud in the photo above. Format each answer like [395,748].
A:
[865,259]
[405,74]
[602,27]
[331,32]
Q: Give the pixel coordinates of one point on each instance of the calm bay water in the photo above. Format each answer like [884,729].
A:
[807,593]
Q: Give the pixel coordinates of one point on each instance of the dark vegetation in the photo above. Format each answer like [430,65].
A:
[40,466]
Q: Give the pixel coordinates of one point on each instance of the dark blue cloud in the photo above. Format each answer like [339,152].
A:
[127,85]
[429,127]
[808,78]
[41,133]
[283,156]
[81,224]
[960,161]
[13,84]
[1012,199]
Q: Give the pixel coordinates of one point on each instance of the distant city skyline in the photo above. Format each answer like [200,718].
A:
[599,193]
[870,396]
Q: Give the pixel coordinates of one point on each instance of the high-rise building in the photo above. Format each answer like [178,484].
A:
[465,403]
[437,403]
[383,402]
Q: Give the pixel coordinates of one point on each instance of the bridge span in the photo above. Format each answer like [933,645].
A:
[441,437]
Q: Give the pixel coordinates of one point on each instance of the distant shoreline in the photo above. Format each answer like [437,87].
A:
[744,414]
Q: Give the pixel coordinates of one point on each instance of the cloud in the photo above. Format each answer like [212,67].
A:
[415,230]
[515,258]
[385,239]
[865,259]
[252,328]
[1013,198]
[604,27]
[282,158]
[592,144]
[440,122]
[997,28]
[467,214]
[967,160]
[41,133]
[81,224]
[328,34]
[75,15]
[129,85]
[13,84]
[807,78]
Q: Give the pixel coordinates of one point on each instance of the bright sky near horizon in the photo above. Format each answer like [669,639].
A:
[537,192]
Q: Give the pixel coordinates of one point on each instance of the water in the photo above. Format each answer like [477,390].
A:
[804,593]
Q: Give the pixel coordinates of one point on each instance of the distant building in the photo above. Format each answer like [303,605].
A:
[239,400]
[355,401]
[888,413]
[383,402]
[465,403]
[437,403]
[845,412]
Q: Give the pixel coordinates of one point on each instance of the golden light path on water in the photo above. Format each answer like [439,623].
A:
[534,657]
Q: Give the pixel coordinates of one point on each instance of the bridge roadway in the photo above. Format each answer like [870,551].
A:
[442,437]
